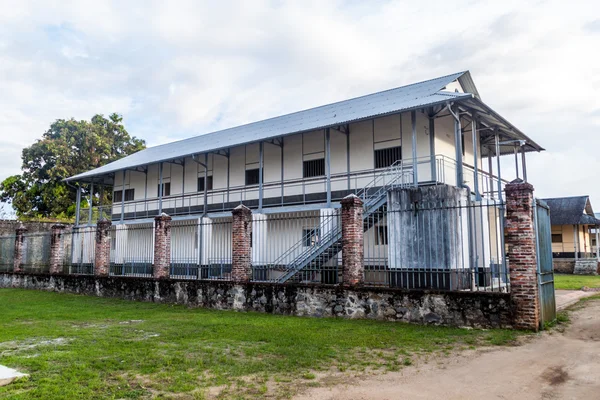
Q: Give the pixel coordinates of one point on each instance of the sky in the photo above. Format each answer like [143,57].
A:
[176,69]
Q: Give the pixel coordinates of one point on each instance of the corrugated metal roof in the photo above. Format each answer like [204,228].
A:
[389,101]
[417,95]
[570,211]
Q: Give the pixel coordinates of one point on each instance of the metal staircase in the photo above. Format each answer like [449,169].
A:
[374,197]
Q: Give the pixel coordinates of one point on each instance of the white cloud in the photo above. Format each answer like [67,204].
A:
[175,69]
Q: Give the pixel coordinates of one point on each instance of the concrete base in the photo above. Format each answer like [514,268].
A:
[566,298]
[9,375]
[586,266]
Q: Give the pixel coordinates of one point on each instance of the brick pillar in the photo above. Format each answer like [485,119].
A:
[352,241]
[56,248]
[102,251]
[522,255]
[19,241]
[241,253]
[162,246]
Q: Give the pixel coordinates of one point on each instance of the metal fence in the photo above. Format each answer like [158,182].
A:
[301,247]
[131,250]
[437,245]
[201,249]
[414,245]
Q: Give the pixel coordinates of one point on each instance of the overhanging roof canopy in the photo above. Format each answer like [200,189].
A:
[419,95]
[575,210]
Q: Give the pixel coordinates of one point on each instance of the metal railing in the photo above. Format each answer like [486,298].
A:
[436,169]
[438,245]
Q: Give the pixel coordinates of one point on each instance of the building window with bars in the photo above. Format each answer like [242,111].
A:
[252,176]
[209,183]
[381,235]
[310,236]
[386,157]
[166,189]
[118,195]
[313,168]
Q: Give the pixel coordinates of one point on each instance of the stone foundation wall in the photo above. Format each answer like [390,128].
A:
[563,265]
[586,266]
[471,309]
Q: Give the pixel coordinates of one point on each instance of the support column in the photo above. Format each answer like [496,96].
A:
[102,250]
[78,206]
[19,243]
[123,193]
[56,248]
[241,252]
[522,254]
[91,204]
[459,151]
[328,165]
[413,123]
[162,246]
[160,188]
[261,157]
[475,159]
[432,145]
[352,241]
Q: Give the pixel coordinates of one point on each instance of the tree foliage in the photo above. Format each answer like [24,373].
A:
[67,148]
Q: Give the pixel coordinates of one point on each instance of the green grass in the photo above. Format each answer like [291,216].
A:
[575,282]
[87,348]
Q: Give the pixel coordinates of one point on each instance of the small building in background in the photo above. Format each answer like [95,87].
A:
[574,235]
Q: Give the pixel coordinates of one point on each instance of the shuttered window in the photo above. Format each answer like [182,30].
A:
[252,176]
[386,157]
[118,195]
[209,183]
[312,168]
[166,189]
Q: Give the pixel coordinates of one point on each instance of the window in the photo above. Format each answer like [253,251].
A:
[310,236]
[312,168]
[129,194]
[209,183]
[386,157]
[557,238]
[381,235]
[118,195]
[166,189]
[252,176]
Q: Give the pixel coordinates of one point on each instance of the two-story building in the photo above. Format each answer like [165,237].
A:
[293,170]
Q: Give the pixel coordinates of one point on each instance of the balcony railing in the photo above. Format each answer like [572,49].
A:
[430,170]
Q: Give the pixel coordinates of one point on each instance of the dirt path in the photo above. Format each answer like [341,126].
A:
[553,366]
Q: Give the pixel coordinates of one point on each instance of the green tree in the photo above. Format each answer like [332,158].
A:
[67,148]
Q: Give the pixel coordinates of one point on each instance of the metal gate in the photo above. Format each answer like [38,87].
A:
[545,269]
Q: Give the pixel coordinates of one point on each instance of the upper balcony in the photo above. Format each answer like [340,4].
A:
[316,192]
